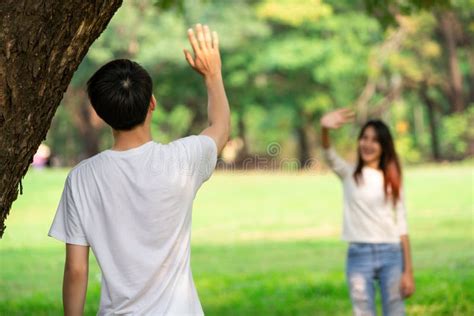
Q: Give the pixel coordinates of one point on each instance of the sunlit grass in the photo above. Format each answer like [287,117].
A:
[263,244]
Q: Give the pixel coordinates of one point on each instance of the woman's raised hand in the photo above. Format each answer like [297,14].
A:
[336,119]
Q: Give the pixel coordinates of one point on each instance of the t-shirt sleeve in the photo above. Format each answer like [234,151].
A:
[340,167]
[67,226]
[401,215]
[198,156]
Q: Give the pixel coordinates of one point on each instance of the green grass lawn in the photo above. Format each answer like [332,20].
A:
[263,244]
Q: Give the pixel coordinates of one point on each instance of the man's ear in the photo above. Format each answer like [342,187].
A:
[152,103]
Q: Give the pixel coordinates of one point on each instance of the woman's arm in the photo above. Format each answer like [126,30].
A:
[325,141]
[334,120]
[407,283]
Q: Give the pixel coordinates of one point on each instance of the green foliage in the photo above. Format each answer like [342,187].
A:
[268,126]
[285,63]
[458,133]
[294,13]
[386,10]
[168,126]
[169,4]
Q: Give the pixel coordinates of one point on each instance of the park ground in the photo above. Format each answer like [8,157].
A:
[263,244]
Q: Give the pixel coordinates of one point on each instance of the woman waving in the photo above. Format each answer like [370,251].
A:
[374,217]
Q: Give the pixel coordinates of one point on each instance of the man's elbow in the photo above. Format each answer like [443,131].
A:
[223,130]
[227,130]
[76,271]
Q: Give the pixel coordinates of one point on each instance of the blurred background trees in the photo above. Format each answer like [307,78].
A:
[287,62]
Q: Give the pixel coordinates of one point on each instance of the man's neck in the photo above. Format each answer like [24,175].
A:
[124,140]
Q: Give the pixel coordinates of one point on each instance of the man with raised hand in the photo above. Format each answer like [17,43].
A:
[132,204]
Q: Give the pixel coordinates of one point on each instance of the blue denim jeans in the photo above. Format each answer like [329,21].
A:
[368,264]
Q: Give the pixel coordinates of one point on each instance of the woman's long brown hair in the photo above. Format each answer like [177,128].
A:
[389,163]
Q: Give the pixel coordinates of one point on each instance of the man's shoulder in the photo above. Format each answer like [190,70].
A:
[193,141]
[184,140]
[86,165]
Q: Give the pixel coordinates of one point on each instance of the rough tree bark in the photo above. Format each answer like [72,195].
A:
[42,44]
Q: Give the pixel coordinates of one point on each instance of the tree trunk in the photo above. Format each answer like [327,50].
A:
[244,151]
[449,26]
[307,144]
[418,123]
[43,43]
[90,135]
[470,59]
[431,107]
[83,119]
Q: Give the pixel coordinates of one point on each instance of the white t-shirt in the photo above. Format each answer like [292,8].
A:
[368,215]
[133,208]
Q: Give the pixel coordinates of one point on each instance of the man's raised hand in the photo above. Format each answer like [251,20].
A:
[205,44]
[207,62]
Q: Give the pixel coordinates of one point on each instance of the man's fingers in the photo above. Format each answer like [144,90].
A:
[207,37]
[189,57]
[215,40]
[200,37]
[203,39]
[193,41]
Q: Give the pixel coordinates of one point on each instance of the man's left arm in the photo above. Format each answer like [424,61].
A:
[76,271]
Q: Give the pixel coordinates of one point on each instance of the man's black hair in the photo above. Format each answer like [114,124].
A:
[120,92]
